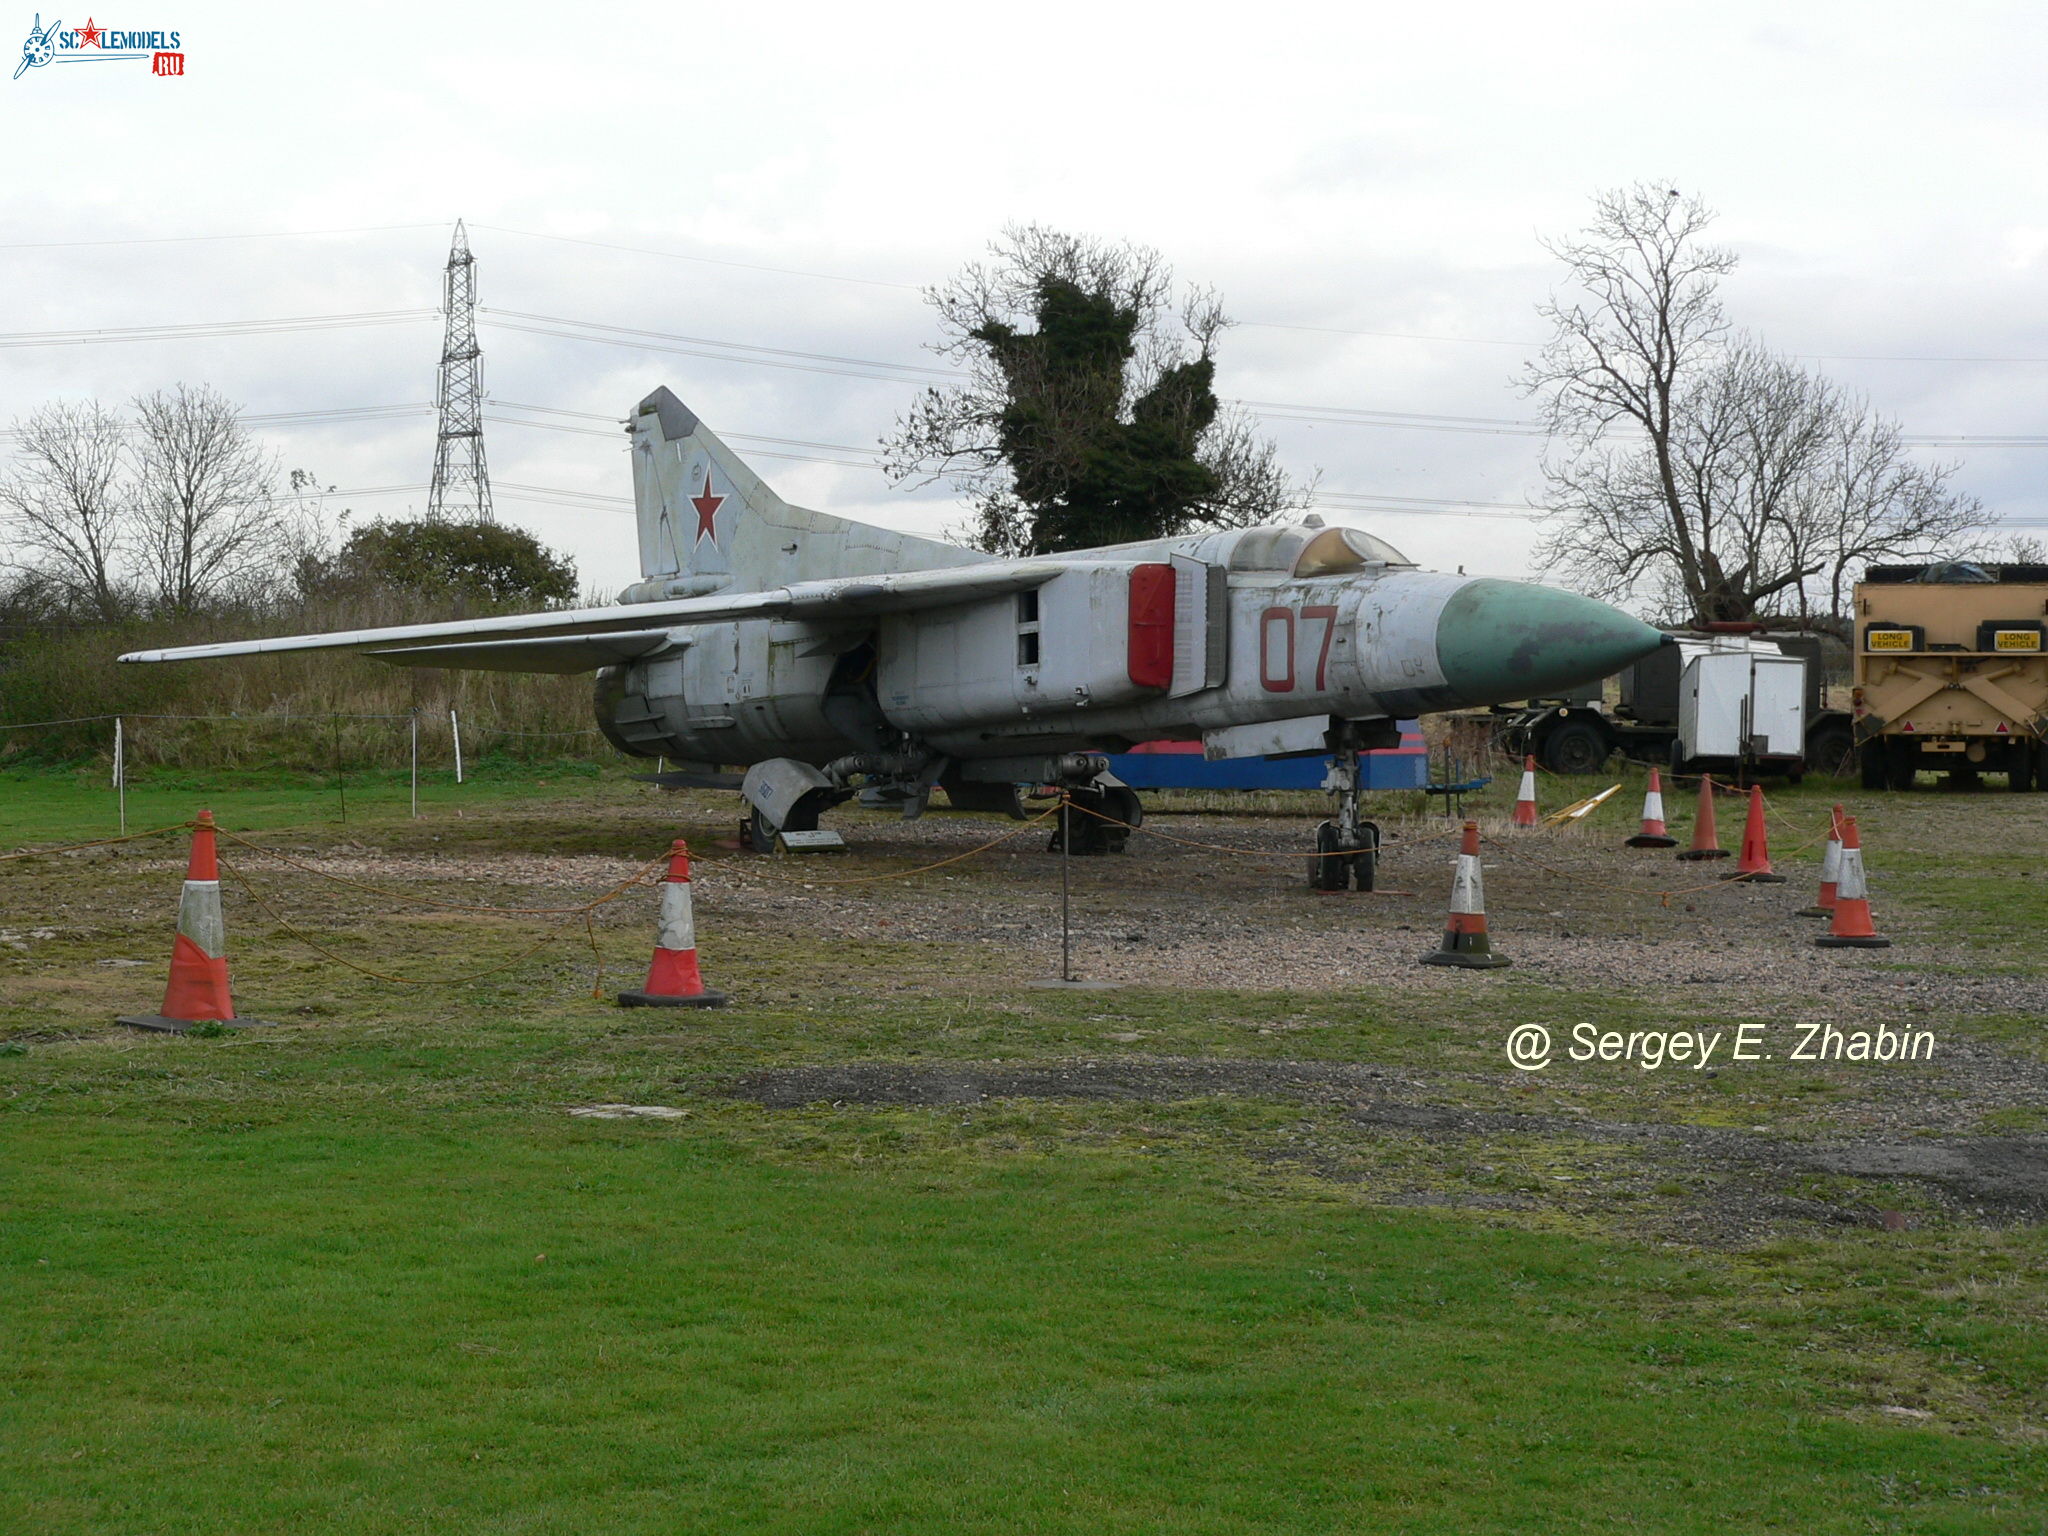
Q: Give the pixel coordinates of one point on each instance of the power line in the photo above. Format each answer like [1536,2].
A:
[267,234]
[641,338]
[867,462]
[737,346]
[207,329]
[345,415]
[723,357]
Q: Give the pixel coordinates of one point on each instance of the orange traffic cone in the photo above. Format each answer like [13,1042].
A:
[673,980]
[1653,834]
[1465,942]
[1706,842]
[1852,928]
[1830,869]
[198,990]
[1755,863]
[1525,801]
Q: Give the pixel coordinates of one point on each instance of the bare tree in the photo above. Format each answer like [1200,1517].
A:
[62,504]
[2020,549]
[208,521]
[1874,501]
[1087,413]
[1696,467]
[1620,358]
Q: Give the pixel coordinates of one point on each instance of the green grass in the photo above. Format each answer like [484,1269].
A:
[366,1274]
[248,1307]
[76,805]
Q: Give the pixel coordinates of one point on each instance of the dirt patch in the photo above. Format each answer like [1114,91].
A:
[1737,1185]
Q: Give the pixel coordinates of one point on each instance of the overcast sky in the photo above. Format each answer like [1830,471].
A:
[1366,186]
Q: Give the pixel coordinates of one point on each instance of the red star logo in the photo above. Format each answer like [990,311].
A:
[88,35]
[707,506]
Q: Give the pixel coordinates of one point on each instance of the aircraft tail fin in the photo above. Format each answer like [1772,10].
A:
[707,522]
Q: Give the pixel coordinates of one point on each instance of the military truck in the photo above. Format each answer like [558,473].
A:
[1724,700]
[1951,673]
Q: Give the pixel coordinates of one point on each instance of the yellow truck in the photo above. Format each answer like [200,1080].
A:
[1952,673]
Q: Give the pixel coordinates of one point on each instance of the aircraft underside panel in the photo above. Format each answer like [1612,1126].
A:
[730,694]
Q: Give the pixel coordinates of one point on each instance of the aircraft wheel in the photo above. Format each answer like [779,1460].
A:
[1365,867]
[1330,870]
[1088,833]
[758,834]
[1326,871]
[1121,803]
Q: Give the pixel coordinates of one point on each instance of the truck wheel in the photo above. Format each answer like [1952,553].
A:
[1577,746]
[1902,762]
[2019,778]
[1877,772]
[1829,751]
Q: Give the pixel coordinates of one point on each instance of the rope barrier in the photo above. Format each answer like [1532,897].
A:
[554,932]
[894,874]
[98,842]
[1249,853]
[637,878]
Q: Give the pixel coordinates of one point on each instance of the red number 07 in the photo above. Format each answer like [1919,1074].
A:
[1277,660]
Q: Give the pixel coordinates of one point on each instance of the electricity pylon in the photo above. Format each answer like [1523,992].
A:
[462,485]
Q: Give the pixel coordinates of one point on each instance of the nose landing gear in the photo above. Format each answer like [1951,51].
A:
[1347,845]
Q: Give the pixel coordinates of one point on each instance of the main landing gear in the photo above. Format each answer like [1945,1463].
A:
[1097,818]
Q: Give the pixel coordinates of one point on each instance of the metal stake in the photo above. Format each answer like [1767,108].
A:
[1066,976]
[1066,899]
[121,772]
[415,765]
[340,788]
[455,729]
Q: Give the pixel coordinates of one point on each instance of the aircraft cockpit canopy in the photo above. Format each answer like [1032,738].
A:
[1335,550]
[1312,550]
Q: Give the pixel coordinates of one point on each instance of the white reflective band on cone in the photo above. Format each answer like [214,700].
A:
[1850,886]
[1466,895]
[199,917]
[1831,862]
[1653,805]
[678,927]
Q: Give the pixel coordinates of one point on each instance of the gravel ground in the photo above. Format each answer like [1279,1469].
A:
[1570,910]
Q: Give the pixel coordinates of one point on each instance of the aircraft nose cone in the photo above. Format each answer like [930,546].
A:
[1502,640]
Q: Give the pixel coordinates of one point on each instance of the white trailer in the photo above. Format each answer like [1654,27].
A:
[1740,700]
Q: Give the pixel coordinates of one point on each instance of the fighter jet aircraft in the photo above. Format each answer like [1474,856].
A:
[831,658]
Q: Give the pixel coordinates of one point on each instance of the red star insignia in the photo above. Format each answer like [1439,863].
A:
[707,506]
[89,35]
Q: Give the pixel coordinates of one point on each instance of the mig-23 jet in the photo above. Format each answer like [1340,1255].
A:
[829,658]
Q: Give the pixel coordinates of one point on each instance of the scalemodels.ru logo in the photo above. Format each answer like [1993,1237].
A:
[95,44]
